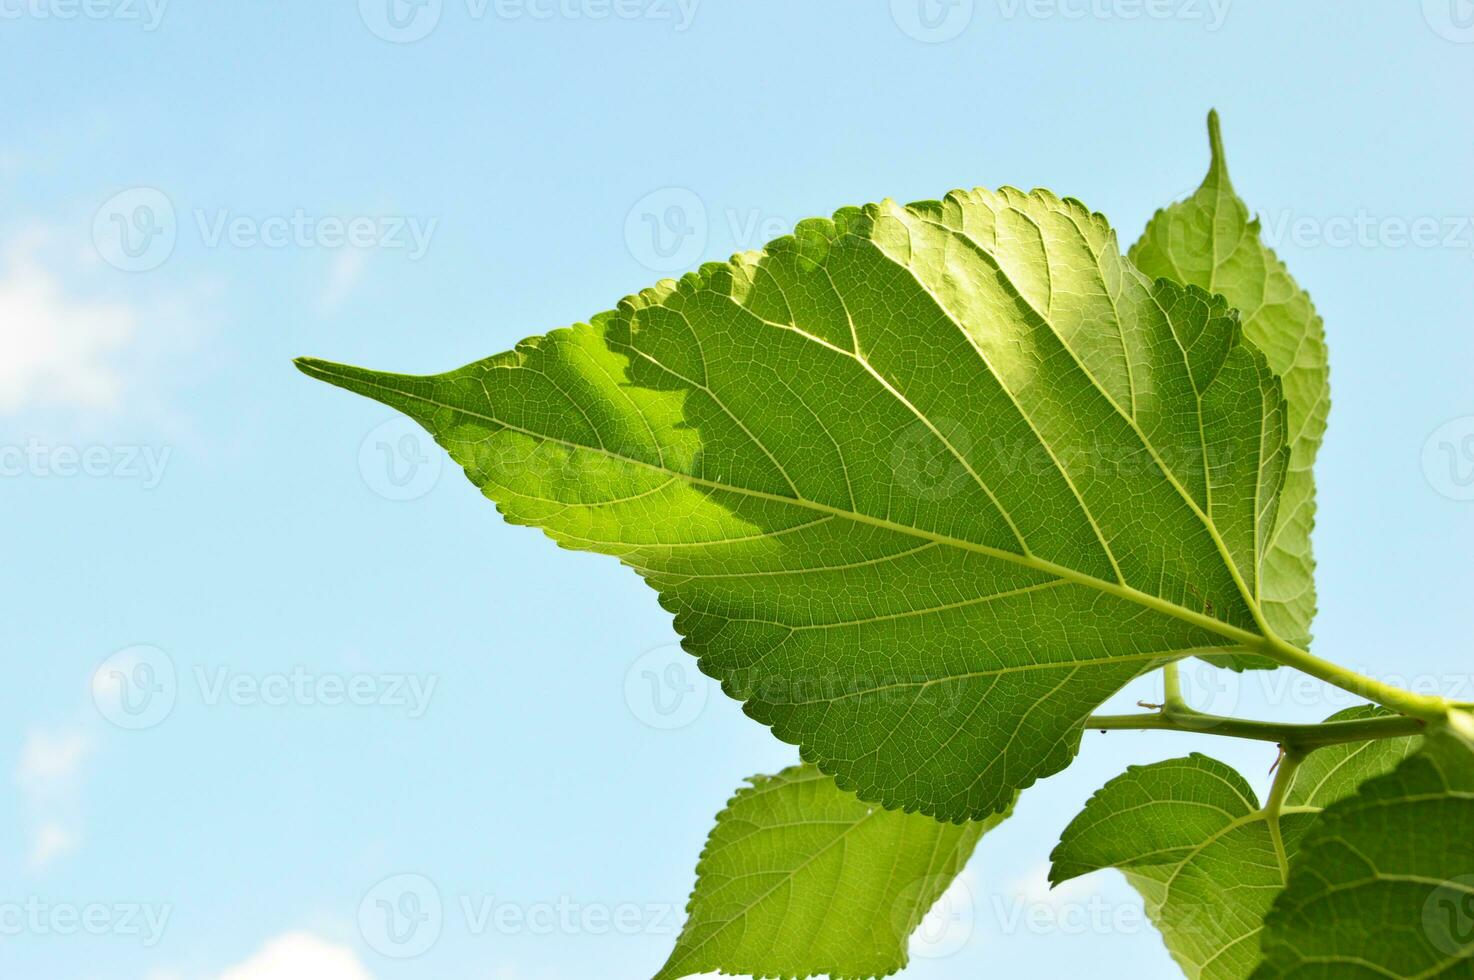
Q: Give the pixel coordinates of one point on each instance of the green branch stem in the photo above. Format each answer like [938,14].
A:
[1288,763]
[1417,705]
[1176,715]
[1294,737]
[1172,700]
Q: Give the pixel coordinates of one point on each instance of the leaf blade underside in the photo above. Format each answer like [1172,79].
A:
[922,485]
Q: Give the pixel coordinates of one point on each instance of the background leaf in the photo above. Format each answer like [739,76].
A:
[1209,241]
[1384,886]
[801,879]
[1192,839]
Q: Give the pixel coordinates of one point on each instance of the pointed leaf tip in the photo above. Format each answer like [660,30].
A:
[313,366]
[381,386]
[334,374]
[1219,163]
[342,375]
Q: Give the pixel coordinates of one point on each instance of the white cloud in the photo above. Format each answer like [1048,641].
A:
[48,775]
[56,349]
[300,956]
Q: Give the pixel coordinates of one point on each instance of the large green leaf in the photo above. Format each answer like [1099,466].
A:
[922,485]
[1209,240]
[1191,837]
[801,879]
[1384,885]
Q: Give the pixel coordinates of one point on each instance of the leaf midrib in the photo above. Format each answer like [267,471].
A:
[1241,637]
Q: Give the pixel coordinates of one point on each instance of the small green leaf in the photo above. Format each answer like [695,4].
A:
[1190,836]
[1209,241]
[1336,771]
[922,485]
[801,879]
[1384,885]
[1154,814]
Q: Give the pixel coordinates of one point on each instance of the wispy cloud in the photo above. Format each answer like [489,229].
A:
[48,775]
[344,272]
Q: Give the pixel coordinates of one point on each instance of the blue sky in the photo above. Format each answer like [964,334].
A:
[357,671]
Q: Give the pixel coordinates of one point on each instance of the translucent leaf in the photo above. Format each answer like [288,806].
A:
[922,485]
[801,879]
